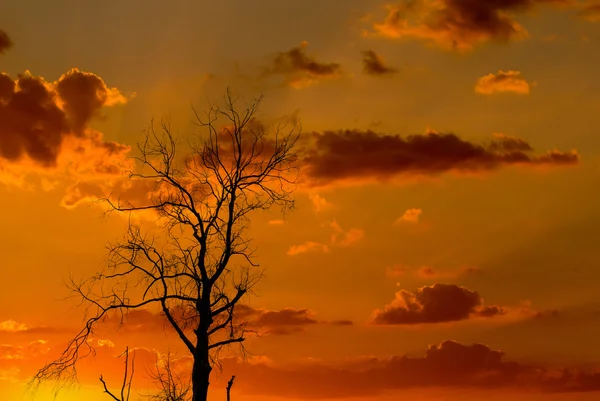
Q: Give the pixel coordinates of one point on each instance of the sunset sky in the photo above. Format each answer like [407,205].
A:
[446,240]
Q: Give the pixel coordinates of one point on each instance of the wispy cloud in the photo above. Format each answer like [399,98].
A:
[301,70]
[374,65]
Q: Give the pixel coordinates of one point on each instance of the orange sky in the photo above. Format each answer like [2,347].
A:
[445,241]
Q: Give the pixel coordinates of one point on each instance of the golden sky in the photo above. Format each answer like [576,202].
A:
[445,241]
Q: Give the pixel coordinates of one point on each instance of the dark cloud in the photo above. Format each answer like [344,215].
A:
[264,321]
[284,321]
[449,364]
[300,69]
[37,118]
[31,123]
[458,24]
[359,155]
[506,143]
[84,94]
[435,304]
[373,65]
[5,42]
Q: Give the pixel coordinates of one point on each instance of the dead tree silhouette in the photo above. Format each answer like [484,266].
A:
[198,265]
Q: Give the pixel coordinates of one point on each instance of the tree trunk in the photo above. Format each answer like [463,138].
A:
[201,369]
[200,378]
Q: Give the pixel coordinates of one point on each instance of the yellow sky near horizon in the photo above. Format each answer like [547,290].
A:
[454,162]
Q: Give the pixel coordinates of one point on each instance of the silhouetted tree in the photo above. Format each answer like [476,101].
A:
[200,264]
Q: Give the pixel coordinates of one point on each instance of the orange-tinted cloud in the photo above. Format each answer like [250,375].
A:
[339,238]
[355,155]
[320,204]
[45,136]
[449,364]
[284,321]
[34,348]
[504,81]
[301,70]
[11,326]
[37,118]
[591,12]
[83,94]
[5,42]
[130,191]
[434,304]
[457,24]
[373,65]
[410,216]
[308,246]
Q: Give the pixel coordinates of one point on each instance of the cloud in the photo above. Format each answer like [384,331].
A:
[320,204]
[373,65]
[11,326]
[339,238]
[301,70]
[308,246]
[281,322]
[447,365]
[265,321]
[410,216]
[591,12]
[33,349]
[504,81]
[45,138]
[357,156]
[131,191]
[45,134]
[82,95]
[434,304]
[277,222]
[38,117]
[284,321]
[457,24]
[5,42]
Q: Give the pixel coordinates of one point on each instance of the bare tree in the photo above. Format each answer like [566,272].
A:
[198,266]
